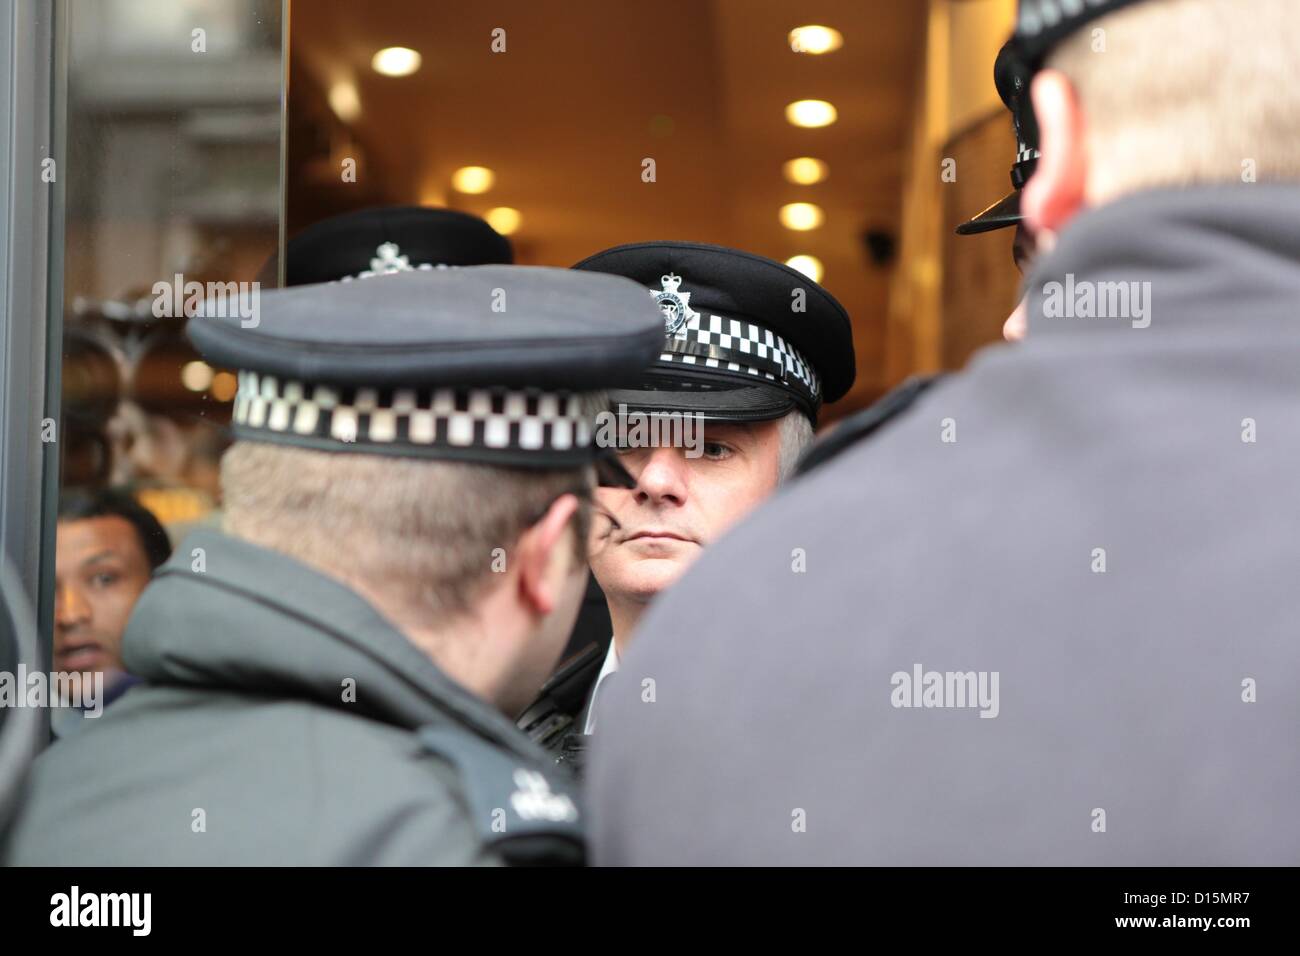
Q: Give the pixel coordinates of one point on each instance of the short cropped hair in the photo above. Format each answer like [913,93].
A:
[1181,92]
[427,533]
[77,504]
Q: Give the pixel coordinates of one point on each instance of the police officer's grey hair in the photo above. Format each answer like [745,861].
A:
[1179,92]
[796,434]
[426,533]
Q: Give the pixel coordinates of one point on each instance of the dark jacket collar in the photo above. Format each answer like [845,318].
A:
[227,614]
[1222,257]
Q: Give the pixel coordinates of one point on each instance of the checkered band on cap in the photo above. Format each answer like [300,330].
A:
[429,422]
[734,345]
[1026,165]
[1039,15]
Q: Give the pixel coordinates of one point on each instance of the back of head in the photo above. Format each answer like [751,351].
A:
[1186,92]
[422,533]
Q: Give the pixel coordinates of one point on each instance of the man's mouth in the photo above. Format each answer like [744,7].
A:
[78,657]
[652,535]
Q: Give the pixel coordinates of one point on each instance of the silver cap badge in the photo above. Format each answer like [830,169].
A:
[673,304]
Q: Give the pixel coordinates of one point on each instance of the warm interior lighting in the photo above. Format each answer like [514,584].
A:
[802,216]
[473,179]
[344,101]
[395,61]
[503,219]
[224,386]
[196,376]
[810,113]
[810,266]
[815,39]
[805,170]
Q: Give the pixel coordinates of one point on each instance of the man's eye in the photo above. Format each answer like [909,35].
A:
[104,579]
[715,449]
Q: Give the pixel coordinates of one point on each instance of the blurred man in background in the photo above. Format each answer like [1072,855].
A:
[107,548]
[1048,617]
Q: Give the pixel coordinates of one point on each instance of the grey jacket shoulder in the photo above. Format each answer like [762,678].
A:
[282,720]
[235,780]
[1079,529]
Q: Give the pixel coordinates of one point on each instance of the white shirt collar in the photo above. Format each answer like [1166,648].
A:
[609,667]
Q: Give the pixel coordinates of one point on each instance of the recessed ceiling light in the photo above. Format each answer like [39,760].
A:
[810,113]
[196,375]
[395,61]
[344,101]
[815,39]
[473,179]
[224,386]
[802,216]
[805,170]
[503,219]
[810,266]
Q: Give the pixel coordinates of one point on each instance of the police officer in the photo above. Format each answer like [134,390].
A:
[386,239]
[751,351]
[1012,79]
[407,502]
[1038,610]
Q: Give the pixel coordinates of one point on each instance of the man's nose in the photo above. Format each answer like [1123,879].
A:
[662,478]
[1014,328]
[71,608]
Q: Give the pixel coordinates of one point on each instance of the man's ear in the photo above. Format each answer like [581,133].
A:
[1057,190]
[544,555]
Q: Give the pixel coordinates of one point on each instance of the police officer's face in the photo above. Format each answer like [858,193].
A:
[100,569]
[650,534]
[1023,250]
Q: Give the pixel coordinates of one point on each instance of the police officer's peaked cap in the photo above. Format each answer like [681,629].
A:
[1012,78]
[1041,24]
[391,239]
[745,338]
[483,363]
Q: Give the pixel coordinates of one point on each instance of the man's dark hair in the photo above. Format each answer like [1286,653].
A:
[79,503]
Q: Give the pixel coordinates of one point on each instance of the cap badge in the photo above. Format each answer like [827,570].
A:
[673,304]
[389,258]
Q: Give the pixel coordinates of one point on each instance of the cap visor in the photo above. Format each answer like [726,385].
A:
[744,403]
[1003,213]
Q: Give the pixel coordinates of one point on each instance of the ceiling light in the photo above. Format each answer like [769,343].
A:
[503,219]
[810,113]
[395,61]
[196,376]
[810,266]
[473,179]
[344,101]
[815,39]
[805,170]
[224,386]
[802,216]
